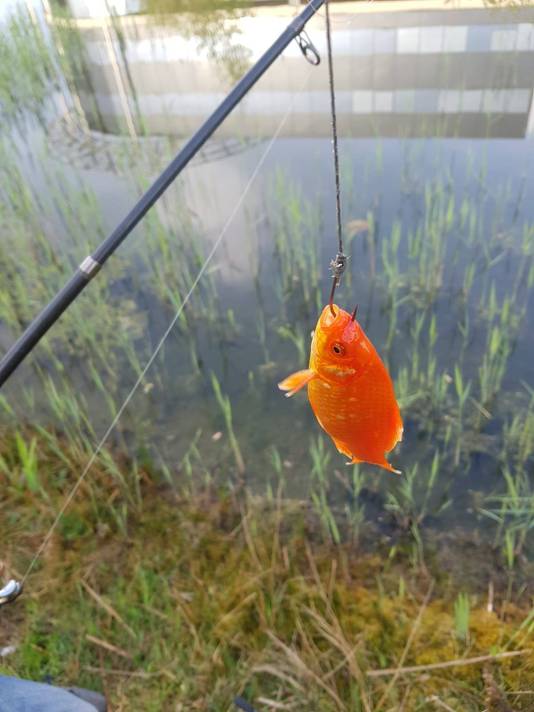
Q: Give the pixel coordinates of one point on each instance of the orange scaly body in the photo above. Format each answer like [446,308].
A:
[350,390]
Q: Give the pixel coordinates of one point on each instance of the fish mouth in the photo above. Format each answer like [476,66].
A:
[328,319]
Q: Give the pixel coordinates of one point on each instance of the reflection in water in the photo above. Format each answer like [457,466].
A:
[451,73]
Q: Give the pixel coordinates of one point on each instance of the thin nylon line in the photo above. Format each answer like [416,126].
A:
[334,125]
[150,361]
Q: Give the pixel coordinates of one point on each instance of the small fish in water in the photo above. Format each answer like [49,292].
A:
[350,390]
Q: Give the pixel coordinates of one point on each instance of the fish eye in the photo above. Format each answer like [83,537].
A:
[338,349]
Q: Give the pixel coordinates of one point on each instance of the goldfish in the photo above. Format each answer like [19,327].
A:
[350,390]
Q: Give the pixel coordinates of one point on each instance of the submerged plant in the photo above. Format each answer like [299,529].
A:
[320,457]
[415,497]
[226,410]
[513,512]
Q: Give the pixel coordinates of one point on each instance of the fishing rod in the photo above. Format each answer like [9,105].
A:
[91,265]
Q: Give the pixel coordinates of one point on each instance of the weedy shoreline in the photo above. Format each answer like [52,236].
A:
[173,599]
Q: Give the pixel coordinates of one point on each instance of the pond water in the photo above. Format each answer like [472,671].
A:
[436,119]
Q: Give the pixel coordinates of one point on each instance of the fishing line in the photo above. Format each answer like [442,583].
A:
[339,263]
[159,346]
[334,123]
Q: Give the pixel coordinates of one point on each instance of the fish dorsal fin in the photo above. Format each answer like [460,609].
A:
[296,381]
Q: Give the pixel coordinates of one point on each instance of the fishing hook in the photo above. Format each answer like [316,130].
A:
[307,48]
[10,592]
[353,317]
[338,267]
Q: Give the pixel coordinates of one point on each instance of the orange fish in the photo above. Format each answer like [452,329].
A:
[350,390]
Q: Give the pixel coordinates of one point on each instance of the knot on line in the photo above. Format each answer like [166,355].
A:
[338,265]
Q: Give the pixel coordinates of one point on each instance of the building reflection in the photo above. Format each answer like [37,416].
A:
[445,72]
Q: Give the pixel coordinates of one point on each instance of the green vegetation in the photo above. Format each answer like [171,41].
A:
[26,69]
[461,616]
[225,405]
[191,599]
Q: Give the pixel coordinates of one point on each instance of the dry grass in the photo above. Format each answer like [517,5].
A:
[191,600]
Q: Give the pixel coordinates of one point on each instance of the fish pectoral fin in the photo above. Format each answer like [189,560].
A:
[296,381]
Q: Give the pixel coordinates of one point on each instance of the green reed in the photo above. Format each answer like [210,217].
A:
[417,495]
[297,338]
[26,68]
[354,510]
[320,458]
[296,224]
[226,409]
[518,435]
[462,607]
[513,512]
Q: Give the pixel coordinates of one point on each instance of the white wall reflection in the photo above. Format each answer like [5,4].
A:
[453,72]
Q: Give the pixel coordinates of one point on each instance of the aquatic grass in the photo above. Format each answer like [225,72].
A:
[296,225]
[68,407]
[320,458]
[420,388]
[277,464]
[416,497]
[191,475]
[509,547]
[261,328]
[225,406]
[518,433]
[462,608]
[297,338]
[354,509]
[513,512]
[390,255]
[493,367]
[27,72]
[462,392]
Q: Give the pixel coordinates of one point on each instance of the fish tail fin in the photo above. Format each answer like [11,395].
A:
[296,381]
[380,462]
[342,447]
[353,459]
[388,466]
